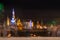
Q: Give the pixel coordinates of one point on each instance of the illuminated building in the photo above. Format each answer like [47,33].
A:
[13,20]
[41,27]
[11,23]
[19,24]
[30,24]
[38,26]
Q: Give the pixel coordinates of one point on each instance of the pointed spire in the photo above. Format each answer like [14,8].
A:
[13,16]
[13,13]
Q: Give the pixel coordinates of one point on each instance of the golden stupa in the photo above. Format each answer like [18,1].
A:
[19,24]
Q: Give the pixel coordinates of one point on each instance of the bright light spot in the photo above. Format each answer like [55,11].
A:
[13,21]
[34,35]
[41,27]
[30,23]
[45,27]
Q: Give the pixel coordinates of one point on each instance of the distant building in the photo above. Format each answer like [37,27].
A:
[13,21]
[28,24]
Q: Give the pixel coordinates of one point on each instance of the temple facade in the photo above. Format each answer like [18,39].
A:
[14,21]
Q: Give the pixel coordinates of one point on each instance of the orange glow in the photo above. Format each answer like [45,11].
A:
[20,28]
[45,27]
[38,26]
[32,24]
[19,24]
[41,27]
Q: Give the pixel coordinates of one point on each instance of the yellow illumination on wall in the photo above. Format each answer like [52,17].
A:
[8,22]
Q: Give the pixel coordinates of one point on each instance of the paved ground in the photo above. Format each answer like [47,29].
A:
[30,38]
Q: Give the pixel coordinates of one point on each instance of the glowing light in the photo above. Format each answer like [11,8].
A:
[13,12]
[19,24]
[8,22]
[38,25]
[41,27]
[13,21]
[9,35]
[30,23]
[20,28]
[34,35]
[45,27]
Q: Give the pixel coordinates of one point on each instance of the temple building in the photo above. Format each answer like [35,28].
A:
[28,24]
[14,21]
[17,22]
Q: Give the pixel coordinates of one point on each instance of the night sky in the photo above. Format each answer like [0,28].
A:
[28,9]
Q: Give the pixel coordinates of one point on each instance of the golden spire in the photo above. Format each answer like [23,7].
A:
[19,24]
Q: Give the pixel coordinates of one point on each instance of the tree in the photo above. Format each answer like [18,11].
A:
[1,12]
[53,22]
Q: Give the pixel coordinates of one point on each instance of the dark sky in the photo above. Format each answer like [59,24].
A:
[33,9]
